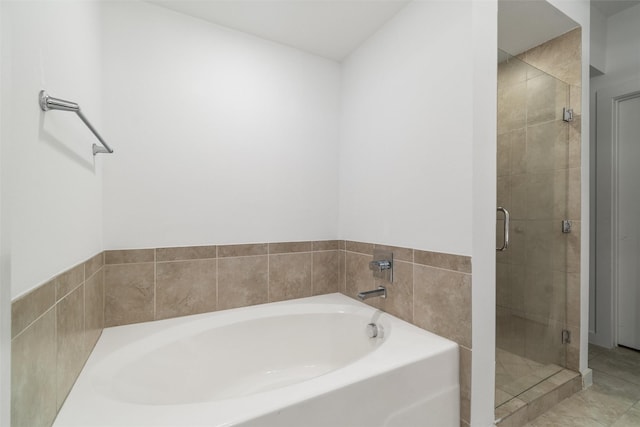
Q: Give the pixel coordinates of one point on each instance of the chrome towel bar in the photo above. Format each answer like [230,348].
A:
[50,103]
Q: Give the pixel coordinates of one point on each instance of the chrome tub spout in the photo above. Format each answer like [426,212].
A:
[380,292]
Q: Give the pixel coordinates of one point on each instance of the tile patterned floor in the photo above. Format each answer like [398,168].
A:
[612,401]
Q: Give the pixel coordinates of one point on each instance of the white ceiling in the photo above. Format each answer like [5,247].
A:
[611,7]
[523,24]
[328,28]
[334,28]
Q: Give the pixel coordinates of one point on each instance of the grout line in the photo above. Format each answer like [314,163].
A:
[68,293]
[442,268]
[53,307]
[217,274]
[84,309]
[184,260]
[344,265]
[129,263]
[55,345]
[84,321]
[222,257]
[155,290]
[57,300]
[242,256]
[413,293]
[312,265]
[104,298]
[94,273]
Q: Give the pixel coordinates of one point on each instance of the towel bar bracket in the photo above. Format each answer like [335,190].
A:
[50,103]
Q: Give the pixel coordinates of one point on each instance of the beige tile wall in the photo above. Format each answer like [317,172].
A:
[54,329]
[539,181]
[431,290]
[57,324]
[150,284]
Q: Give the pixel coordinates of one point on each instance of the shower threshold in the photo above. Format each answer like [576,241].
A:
[525,389]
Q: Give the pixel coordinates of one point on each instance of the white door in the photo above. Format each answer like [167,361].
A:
[628,135]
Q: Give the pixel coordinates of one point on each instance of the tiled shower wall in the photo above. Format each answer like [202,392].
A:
[53,336]
[538,277]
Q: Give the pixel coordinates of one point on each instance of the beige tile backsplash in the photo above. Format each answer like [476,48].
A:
[431,290]
[243,281]
[290,275]
[129,295]
[69,281]
[70,342]
[94,307]
[54,329]
[186,253]
[129,256]
[450,291]
[64,318]
[148,284]
[27,309]
[185,287]
[400,298]
[325,273]
[33,373]
[243,250]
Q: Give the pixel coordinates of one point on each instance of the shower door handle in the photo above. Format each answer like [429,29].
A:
[505,244]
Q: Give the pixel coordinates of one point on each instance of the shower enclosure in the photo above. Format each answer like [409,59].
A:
[535,166]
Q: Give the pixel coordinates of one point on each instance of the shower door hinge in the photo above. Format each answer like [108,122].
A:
[566,226]
[566,336]
[567,114]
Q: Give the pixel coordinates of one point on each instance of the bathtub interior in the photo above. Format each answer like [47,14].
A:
[214,364]
[299,362]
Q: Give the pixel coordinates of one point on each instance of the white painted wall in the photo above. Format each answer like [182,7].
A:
[628,202]
[484,38]
[406,132]
[598,40]
[418,151]
[622,65]
[51,184]
[220,137]
[622,53]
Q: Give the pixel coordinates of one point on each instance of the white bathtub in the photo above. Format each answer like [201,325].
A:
[303,363]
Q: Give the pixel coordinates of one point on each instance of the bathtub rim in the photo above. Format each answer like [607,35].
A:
[81,404]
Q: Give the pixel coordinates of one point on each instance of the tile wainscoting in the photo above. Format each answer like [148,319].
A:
[53,330]
[152,284]
[55,326]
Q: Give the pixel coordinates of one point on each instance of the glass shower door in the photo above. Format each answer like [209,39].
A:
[533,170]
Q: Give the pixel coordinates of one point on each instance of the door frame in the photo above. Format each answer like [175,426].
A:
[605,313]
